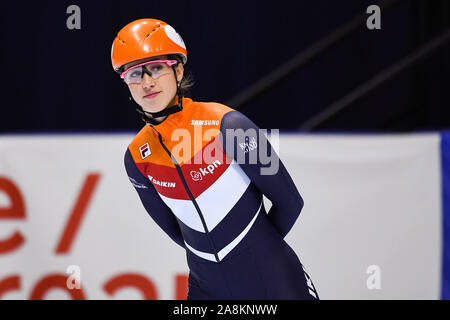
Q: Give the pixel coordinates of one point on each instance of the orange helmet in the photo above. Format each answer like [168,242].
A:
[145,38]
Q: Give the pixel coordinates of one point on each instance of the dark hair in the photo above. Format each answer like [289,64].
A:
[187,81]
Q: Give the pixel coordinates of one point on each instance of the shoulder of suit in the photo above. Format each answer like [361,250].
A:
[210,109]
[141,138]
[197,110]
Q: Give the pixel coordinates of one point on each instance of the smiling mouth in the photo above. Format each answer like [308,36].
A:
[152,95]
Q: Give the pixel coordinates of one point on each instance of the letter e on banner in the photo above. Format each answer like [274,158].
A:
[16,210]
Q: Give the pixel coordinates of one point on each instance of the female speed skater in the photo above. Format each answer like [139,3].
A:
[208,197]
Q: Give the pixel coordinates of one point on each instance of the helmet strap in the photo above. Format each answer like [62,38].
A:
[162,113]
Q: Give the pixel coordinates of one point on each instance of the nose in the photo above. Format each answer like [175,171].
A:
[147,81]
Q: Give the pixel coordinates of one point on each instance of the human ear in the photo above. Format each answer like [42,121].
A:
[180,71]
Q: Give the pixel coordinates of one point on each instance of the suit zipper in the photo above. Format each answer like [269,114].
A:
[180,173]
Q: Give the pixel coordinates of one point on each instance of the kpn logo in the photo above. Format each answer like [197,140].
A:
[198,175]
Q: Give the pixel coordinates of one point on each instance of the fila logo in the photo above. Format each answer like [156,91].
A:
[196,176]
[145,151]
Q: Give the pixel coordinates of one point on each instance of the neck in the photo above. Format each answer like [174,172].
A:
[161,119]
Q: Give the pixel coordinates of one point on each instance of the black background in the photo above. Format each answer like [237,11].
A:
[60,80]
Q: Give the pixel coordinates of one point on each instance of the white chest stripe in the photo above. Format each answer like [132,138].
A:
[215,202]
[227,249]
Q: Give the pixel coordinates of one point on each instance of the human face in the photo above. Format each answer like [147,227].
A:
[154,95]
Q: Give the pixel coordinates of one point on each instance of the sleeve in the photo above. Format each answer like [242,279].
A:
[253,152]
[152,202]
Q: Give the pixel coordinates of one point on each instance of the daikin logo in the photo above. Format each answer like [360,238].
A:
[196,175]
[162,183]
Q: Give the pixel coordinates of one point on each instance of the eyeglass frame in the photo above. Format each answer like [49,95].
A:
[168,62]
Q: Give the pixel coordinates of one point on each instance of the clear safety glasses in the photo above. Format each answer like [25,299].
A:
[154,69]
